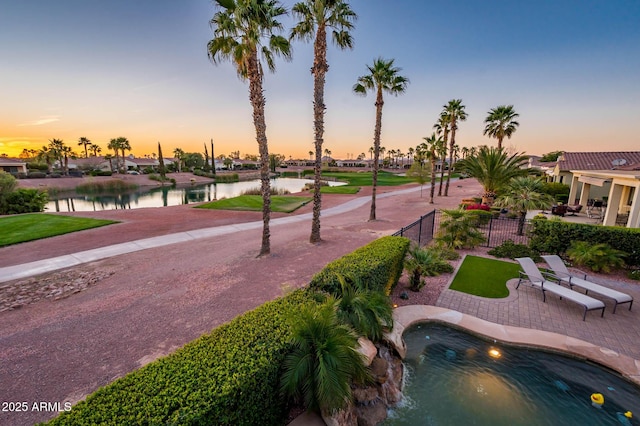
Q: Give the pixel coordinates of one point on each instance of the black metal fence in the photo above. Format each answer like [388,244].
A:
[497,230]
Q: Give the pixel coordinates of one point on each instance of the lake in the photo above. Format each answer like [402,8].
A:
[164,196]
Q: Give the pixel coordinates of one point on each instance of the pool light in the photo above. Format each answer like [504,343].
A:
[494,353]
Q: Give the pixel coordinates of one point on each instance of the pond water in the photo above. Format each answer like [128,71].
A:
[454,378]
[167,195]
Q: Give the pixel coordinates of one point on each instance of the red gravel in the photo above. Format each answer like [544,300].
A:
[157,300]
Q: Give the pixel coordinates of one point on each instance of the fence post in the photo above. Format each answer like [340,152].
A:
[489,232]
[420,232]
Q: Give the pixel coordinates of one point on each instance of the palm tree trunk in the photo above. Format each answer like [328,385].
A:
[433,176]
[521,222]
[256,96]
[376,152]
[442,160]
[451,144]
[500,143]
[319,70]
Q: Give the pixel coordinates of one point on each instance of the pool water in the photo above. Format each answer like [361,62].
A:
[455,378]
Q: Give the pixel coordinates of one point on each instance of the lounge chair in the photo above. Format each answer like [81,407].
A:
[574,210]
[560,270]
[534,276]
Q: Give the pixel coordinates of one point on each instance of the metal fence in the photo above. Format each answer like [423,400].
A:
[497,230]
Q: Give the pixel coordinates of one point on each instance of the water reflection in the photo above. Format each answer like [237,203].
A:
[165,196]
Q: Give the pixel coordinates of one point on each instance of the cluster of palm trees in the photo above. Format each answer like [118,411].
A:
[119,146]
[248,33]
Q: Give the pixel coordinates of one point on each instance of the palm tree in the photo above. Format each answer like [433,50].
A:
[84,142]
[123,143]
[311,156]
[323,361]
[382,77]
[371,152]
[46,155]
[427,262]
[458,229]
[455,111]
[65,152]
[493,169]
[95,149]
[114,144]
[501,122]
[239,29]
[524,193]
[442,129]
[315,17]
[55,148]
[179,154]
[432,144]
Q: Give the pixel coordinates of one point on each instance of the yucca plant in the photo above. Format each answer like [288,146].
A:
[597,257]
[323,361]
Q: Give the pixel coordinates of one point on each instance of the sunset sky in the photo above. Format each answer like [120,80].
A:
[139,69]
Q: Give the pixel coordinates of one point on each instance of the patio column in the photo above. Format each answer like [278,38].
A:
[584,194]
[634,214]
[615,195]
[573,191]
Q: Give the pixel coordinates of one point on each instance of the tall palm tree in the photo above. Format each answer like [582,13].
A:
[524,193]
[95,149]
[179,154]
[311,156]
[493,169]
[455,111]
[382,77]
[315,17]
[46,155]
[501,122]
[442,128]
[124,144]
[65,152]
[114,144]
[323,360]
[84,142]
[432,143]
[242,28]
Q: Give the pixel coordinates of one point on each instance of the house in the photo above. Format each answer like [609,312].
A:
[12,165]
[610,177]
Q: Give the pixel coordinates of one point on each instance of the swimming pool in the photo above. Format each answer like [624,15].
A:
[455,378]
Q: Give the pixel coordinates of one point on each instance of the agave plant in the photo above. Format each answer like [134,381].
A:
[597,257]
[323,361]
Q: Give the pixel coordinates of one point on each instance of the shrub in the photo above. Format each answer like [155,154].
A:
[227,178]
[272,191]
[554,237]
[24,200]
[100,173]
[458,229]
[227,377]
[379,264]
[427,262]
[555,188]
[478,206]
[511,250]
[307,172]
[634,274]
[36,175]
[199,172]
[597,257]
[289,174]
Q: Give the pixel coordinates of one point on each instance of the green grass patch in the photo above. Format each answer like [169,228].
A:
[29,227]
[484,277]
[344,189]
[283,204]
[365,178]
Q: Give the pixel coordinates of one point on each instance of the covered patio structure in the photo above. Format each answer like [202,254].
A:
[623,202]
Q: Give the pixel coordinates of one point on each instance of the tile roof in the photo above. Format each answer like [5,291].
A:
[617,160]
[6,160]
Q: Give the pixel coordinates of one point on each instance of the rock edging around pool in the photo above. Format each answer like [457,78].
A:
[406,316]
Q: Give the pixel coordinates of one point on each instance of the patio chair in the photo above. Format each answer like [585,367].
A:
[574,210]
[560,270]
[531,273]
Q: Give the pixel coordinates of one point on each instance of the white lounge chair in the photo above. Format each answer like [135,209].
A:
[560,270]
[534,276]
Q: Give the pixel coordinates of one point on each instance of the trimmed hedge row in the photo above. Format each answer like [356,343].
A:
[228,377]
[379,264]
[551,236]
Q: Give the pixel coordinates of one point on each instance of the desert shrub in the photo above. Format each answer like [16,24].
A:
[379,264]
[24,200]
[555,236]
[227,377]
[36,175]
[199,172]
[511,250]
[634,274]
[597,257]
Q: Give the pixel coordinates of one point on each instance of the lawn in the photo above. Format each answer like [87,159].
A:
[484,277]
[279,203]
[344,189]
[34,226]
[364,178]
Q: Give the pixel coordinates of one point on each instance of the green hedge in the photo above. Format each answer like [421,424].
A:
[290,174]
[228,377]
[552,236]
[379,264]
